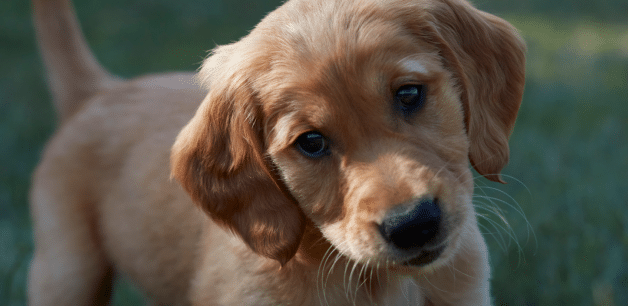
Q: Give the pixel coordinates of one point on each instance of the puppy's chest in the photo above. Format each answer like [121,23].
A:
[344,284]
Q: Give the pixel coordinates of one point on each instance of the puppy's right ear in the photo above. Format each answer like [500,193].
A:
[219,158]
[487,56]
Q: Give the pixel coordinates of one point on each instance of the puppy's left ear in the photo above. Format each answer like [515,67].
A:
[219,158]
[487,56]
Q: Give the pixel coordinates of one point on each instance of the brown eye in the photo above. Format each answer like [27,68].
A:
[409,98]
[312,144]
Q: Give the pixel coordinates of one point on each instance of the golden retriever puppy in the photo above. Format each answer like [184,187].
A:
[323,161]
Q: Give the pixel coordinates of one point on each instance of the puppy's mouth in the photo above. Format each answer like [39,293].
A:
[424,257]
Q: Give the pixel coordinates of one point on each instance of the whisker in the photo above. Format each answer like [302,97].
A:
[516,207]
[418,287]
[434,286]
[319,274]
[488,206]
[338,257]
[493,210]
[370,287]
[518,181]
[344,276]
[350,283]
[360,282]
[506,228]
[497,235]
[488,200]
[377,274]
[497,211]
[404,290]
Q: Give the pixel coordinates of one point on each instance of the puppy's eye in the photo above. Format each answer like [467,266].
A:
[410,98]
[312,144]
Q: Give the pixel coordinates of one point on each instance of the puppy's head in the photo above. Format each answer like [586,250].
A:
[359,116]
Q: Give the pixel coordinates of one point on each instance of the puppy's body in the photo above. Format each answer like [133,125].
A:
[285,226]
[108,166]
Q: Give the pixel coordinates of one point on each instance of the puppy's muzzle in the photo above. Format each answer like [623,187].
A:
[414,230]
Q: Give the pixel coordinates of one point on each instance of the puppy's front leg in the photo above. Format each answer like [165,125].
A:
[464,280]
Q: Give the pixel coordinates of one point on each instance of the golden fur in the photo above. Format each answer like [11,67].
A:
[257,222]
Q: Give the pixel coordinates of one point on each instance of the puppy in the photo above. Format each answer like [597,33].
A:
[323,161]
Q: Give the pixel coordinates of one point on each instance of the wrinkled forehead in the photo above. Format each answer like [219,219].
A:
[334,68]
[347,90]
[342,37]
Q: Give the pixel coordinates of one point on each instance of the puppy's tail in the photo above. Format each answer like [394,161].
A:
[73,72]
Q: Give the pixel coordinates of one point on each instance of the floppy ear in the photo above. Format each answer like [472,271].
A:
[487,56]
[219,159]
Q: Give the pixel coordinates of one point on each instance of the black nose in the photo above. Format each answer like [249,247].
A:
[413,228]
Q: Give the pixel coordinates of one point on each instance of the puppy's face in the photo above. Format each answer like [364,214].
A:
[370,134]
[361,117]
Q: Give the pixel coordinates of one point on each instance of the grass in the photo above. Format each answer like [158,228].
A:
[569,152]
[569,149]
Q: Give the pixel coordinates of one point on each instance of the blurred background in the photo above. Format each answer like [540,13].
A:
[557,232]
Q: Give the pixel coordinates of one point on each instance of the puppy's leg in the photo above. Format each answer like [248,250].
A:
[88,283]
[68,267]
[465,280]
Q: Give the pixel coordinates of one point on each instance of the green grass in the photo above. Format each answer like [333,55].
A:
[569,150]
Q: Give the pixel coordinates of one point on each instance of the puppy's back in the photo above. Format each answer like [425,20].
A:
[102,198]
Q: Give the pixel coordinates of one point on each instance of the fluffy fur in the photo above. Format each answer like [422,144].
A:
[241,216]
